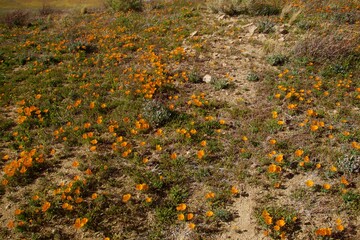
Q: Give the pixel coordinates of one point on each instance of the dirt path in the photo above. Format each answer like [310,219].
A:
[236,50]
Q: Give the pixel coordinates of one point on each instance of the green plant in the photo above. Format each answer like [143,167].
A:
[157,113]
[330,47]
[277,60]
[18,18]
[259,8]
[177,194]
[252,77]
[224,215]
[221,83]
[165,214]
[126,5]
[352,200]
[347,17]
[194,77]
[229,7]
[265,27]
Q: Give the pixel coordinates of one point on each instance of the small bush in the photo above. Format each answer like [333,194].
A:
[264,9]
[221,84]
[252,77]
[346,18]
[46,10]
[126,5]
[277,60]
[157,113]
[17,18]
[265,27]
[328,47]
[223,215]
[305,25]
[229,7]
[195,78]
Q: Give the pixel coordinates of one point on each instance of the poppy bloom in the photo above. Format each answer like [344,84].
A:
[309,183]
[181,217]
[45,206]
[209,213]
[126,197]
[200,154]
[192,225]
[181,207]
[79,223]
[299,152]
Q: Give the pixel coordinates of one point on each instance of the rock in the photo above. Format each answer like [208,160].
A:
[247,25]
[221,17]
[283,31]
[193,33]
[207,78]
[252,29]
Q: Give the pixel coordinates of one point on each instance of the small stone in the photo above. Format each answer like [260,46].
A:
[252,30]
[193,33]
[283,31]
[207,78]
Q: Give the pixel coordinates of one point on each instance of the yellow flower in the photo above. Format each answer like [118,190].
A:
[340,227]
[126,197]
[181,207]
[75,164]
[192,225]
[18,211]
[210,195]
[344,181]
[274,168]
[272,141]
[200,154]
[274,114]
[203,143]
[299,152]
[244,138]
[326,186]
[222,122]
[79,223]
[209,213]
[280,122]
[314,128]
[333,168]
[234,190]
[309,183]
[280,223]
[142,187]
[189,216]
[181,217]
[323,232]
[94,196]
[268,220]
[173,156]
[279,158]
[92,105]
[45,206]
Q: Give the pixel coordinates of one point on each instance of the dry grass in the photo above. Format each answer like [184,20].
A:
[328,47]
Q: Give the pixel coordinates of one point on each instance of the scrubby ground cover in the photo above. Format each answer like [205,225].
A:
[109,132]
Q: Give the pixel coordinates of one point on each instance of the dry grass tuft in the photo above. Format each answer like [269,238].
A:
[328,47]
[18,18]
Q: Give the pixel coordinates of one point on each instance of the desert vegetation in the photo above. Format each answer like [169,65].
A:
[180,119]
